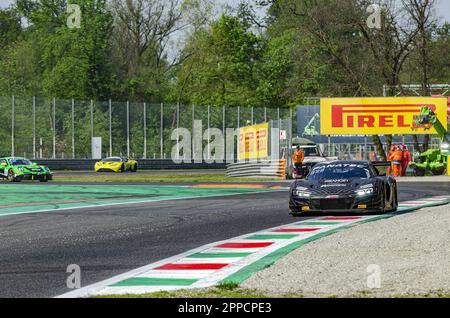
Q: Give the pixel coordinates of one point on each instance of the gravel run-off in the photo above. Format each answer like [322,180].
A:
[410,252]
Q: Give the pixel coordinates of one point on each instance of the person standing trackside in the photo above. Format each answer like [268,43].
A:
[298,157]
[396,159]
[389,156]
[406,160]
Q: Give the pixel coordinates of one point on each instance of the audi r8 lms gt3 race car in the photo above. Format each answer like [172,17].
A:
[18,169]
[344,186]
[116,164]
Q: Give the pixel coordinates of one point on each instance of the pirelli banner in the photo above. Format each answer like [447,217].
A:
[254,142]
[377,116]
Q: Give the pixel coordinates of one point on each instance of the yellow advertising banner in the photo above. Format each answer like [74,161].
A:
[377,116]
[254,142]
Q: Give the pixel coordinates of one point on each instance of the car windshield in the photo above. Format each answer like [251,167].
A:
[112,160]
[341,171]
[310,152]
[20,162]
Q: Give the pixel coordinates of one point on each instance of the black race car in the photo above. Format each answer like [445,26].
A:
[344,186]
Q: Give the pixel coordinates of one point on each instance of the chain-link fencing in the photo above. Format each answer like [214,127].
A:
[52,128]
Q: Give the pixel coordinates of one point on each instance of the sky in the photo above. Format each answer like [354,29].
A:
[443,11]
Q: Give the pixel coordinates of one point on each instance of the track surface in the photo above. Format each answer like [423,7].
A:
[143,172]
[36,249]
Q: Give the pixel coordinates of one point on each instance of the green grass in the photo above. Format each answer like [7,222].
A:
[216,292]
[161,178]
[228,290]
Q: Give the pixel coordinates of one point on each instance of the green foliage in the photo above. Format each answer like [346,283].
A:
[221,69]
[10,27]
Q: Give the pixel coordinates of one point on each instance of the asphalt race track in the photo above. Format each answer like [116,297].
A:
[142,172]
[36,249]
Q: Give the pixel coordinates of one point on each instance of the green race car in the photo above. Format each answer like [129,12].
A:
[18,169]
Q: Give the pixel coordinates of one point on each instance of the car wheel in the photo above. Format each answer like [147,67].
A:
[43,179]
[134,169]
[394,202]
[11,177]
[383,200]
[122,169]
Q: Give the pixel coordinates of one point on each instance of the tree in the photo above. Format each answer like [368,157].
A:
[10,27]
[420,13]
[439,52]
[221,68]
[142,31]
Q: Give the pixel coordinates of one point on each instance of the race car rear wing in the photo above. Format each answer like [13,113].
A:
[384,164]
[381,163]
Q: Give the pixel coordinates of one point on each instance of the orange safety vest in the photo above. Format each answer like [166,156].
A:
[298,156]
[397,155]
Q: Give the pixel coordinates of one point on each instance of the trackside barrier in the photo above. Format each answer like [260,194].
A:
[148,164]
[269,169]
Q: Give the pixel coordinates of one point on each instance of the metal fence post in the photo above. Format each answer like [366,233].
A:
[278,117]
[13,106]
[265,114]
[34,127]
[238,128]
[73,128]
[128,129]
[145,130]
[178,133]
[238,117]
[162,132]
[209,132]
[92,126]
[54,127]
[252,116]
[293,122]
[193,132]
[110,129]
[224,133]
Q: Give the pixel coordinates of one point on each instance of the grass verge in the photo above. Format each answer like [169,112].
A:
[216,292]
[237,292]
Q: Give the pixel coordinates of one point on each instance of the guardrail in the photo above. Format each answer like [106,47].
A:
[143,164]
[269,169]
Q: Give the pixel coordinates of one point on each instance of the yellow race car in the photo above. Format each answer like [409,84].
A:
[116,164]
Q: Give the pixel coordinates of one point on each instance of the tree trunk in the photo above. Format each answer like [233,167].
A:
[416,144]
[379,147]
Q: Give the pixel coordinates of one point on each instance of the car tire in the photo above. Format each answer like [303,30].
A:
[134,169]
[394,202]
[122,169]
[11,177]
[44,179]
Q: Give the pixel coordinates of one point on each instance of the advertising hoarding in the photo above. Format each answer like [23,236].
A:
[254,142]
[377,116]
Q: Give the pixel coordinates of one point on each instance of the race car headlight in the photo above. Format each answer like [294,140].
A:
[364,191]
[302,194]
[445,146]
